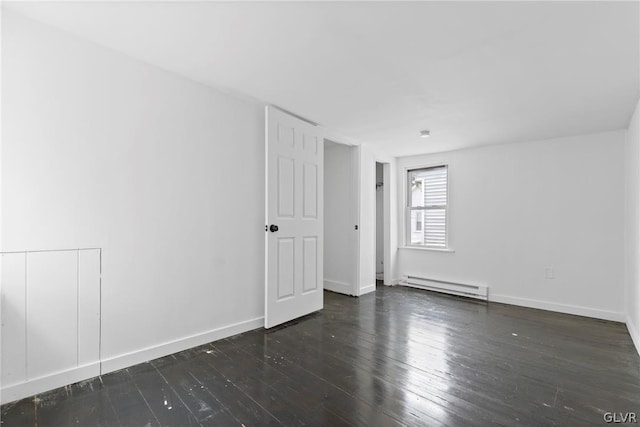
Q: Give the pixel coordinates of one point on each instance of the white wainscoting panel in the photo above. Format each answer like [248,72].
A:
[52,315]
[12,289]
[50,320]
[89,304]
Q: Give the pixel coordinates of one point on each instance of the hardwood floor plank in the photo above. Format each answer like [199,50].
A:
[228,396]
[352,408]
[334,401]
[165,404]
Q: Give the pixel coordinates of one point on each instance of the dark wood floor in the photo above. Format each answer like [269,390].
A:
[397,357]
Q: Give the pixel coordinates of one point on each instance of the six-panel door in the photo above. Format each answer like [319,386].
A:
[294,195]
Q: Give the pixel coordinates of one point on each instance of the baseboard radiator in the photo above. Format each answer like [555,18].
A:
[453,288]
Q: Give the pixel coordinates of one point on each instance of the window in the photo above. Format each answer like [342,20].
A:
[427,190]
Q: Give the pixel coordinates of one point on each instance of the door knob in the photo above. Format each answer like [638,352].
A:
[273,228]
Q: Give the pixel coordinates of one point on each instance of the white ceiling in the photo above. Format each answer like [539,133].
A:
[474,73]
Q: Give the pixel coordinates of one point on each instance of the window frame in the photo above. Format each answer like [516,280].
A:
[409,209]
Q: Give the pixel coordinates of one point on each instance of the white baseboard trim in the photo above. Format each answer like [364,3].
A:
[340,287]
[561,308]
[633,331]
[379,276]
[48,382]
[144,355]
[367,289]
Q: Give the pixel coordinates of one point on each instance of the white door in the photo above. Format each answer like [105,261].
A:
[294,211]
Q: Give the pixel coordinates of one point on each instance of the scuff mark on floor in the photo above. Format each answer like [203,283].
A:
[555,399]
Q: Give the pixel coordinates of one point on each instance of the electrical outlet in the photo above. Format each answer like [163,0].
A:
[548,272]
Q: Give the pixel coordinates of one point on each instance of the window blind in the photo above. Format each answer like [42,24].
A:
[428,194]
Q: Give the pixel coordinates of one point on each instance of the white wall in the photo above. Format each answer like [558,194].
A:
[367,224]
[165,175]
[379,221]
[340,237]
[632,227]
[518,208]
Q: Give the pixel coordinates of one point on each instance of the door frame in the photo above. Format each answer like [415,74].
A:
[354,209]
[386,225]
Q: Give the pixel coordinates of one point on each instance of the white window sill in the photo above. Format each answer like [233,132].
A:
[419,248]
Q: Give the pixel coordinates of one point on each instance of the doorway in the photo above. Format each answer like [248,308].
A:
[379,222]
[340,218]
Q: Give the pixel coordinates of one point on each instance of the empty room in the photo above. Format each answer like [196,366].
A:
[319,213]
